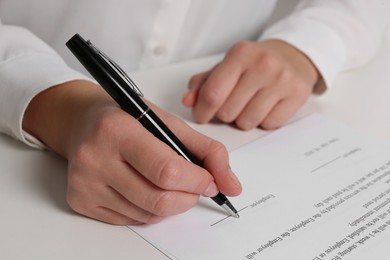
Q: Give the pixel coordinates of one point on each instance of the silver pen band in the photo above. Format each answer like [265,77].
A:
[144,113]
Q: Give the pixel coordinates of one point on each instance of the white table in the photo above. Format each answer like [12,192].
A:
[36,222]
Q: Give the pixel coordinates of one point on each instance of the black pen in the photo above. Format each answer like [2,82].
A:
[123,90]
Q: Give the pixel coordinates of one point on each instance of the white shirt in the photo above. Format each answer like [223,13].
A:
[335,34]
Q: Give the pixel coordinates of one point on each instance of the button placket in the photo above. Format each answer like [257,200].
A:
[165,33]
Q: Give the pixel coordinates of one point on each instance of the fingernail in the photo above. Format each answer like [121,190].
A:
[234,178]
[211,190]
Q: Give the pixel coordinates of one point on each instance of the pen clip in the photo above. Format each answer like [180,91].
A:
[117,69]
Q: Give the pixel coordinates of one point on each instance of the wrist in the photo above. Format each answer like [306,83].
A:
[298,59]
[56,114]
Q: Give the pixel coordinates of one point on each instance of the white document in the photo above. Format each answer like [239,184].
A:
[315,189]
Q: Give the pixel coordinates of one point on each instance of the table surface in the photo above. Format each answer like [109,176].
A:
[38,224]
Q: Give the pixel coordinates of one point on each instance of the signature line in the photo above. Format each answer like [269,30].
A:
[325,164]
[219,221]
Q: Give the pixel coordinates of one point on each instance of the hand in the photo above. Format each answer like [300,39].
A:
[256,84]
[118,172]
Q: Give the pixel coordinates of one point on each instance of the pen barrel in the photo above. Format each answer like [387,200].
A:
[157,127]
[107,77]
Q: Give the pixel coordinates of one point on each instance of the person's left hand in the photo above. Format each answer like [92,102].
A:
[256,84]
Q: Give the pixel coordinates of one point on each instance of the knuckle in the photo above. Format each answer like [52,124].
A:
[268,61]
[83,155]
[240,48]
[217,147]
[160,203]
[225,116]
[105,124]
[227,113]
[210,96]
[147,217]
[169,174]
[152,219]
[218,150]
[285,75]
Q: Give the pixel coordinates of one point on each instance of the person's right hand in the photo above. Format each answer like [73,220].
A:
[118,172]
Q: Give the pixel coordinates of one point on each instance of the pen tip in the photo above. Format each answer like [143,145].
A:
[230,209]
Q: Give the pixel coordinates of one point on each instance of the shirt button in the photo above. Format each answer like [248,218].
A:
[159,50]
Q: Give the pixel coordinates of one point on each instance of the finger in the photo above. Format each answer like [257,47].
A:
[249,84]
[153,200]
[89,202]
[189,98]
[162,166]
[216,89]
[115,201]
[112,217]
[213,156]
[258,108]
[284,110]
[225,178]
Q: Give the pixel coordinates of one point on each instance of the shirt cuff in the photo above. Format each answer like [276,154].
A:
[316,40]
[21,78]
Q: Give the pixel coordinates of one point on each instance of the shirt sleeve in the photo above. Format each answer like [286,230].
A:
[337,35]
[27,67]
